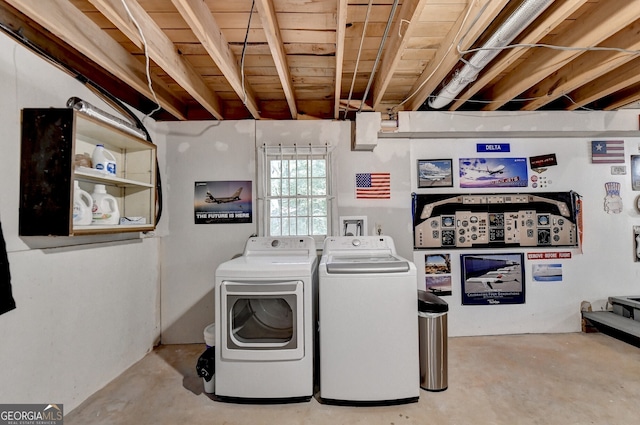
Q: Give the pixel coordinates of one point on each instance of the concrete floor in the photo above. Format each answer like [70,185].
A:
[516,379]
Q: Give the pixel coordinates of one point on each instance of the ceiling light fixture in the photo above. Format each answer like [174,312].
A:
[518,21]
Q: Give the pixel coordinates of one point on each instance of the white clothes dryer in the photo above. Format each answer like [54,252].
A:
[265,321]
[368,323]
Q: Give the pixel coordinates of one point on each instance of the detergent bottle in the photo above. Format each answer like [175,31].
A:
[82,206]
[103,160]
[105,207]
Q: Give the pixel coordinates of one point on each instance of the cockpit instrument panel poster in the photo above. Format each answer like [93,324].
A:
[222,202]
[493,172]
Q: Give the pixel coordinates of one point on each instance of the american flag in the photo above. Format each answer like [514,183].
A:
[607,151]
[373,186]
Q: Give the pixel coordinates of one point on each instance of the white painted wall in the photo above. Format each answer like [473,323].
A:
[199,151]
[86,313]
[605,268]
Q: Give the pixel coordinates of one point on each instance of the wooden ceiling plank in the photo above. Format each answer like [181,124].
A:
[341,30]
[585,68]
[206,29]
[447,56]
[624,76]
[400,34]
[274,38]
[73,27]
[593,28]
[161,50]
[624,98]
[550,23]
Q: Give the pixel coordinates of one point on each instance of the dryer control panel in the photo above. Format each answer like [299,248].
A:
[475,221]
[279,244]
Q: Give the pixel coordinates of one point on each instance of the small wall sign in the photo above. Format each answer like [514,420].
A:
[493,147]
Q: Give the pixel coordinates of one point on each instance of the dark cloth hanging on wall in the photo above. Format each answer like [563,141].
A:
[7,302]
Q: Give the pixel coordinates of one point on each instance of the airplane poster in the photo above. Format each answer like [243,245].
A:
[493,172]
[434,173]
[222,202]
[489,279]
[437,273]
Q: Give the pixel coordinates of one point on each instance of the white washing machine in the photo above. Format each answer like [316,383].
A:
[368,323]
[265,321]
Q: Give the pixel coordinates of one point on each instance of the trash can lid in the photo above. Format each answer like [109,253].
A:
[430,303]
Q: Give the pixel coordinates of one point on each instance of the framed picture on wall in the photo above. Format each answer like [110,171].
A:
[635,172]
[489,279]
[434,173]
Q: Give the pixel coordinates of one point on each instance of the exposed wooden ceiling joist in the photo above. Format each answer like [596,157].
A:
[599,24]
[402,31]
[72,26]
[625,76]
[207,30]
[297,58]
[585,68]
[160,49]
[341,29]
[272,32]
[470,25]
[548,23]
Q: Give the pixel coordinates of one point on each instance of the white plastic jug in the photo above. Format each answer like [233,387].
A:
[82,206]
[103,160]
[105,207]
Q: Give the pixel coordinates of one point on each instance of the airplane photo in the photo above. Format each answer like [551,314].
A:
[209,198]
[493,172]
[434,173]
[487,282]
[474,173]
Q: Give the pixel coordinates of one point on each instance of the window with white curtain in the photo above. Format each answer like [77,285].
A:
[297,191]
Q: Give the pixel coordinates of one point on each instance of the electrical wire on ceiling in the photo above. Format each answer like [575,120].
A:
[379,55]
[244,49]
[355,70]
[554,47]
[500,48]
[519,99]
[437,67]
[147,60]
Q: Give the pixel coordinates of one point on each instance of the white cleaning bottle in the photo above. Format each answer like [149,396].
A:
[82,206]
[105,207]
[103,160]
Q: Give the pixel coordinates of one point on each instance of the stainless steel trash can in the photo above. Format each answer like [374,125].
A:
[433,334]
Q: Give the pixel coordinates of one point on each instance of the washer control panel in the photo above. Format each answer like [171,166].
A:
[358,243]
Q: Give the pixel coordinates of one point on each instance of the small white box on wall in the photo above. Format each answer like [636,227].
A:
[353,226]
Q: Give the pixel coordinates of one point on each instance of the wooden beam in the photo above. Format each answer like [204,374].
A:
[593,27]
[585,68]
[624,97]
[274,38]
[608,84]
[207,30]
[43,43]
[160,49]
[341,30]
[74,28]
[401,32]
[557,16]
[447,56]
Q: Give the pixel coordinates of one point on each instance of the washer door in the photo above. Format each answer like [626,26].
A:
[262,321]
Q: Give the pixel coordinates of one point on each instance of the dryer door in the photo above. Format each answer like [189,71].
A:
[262,321]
